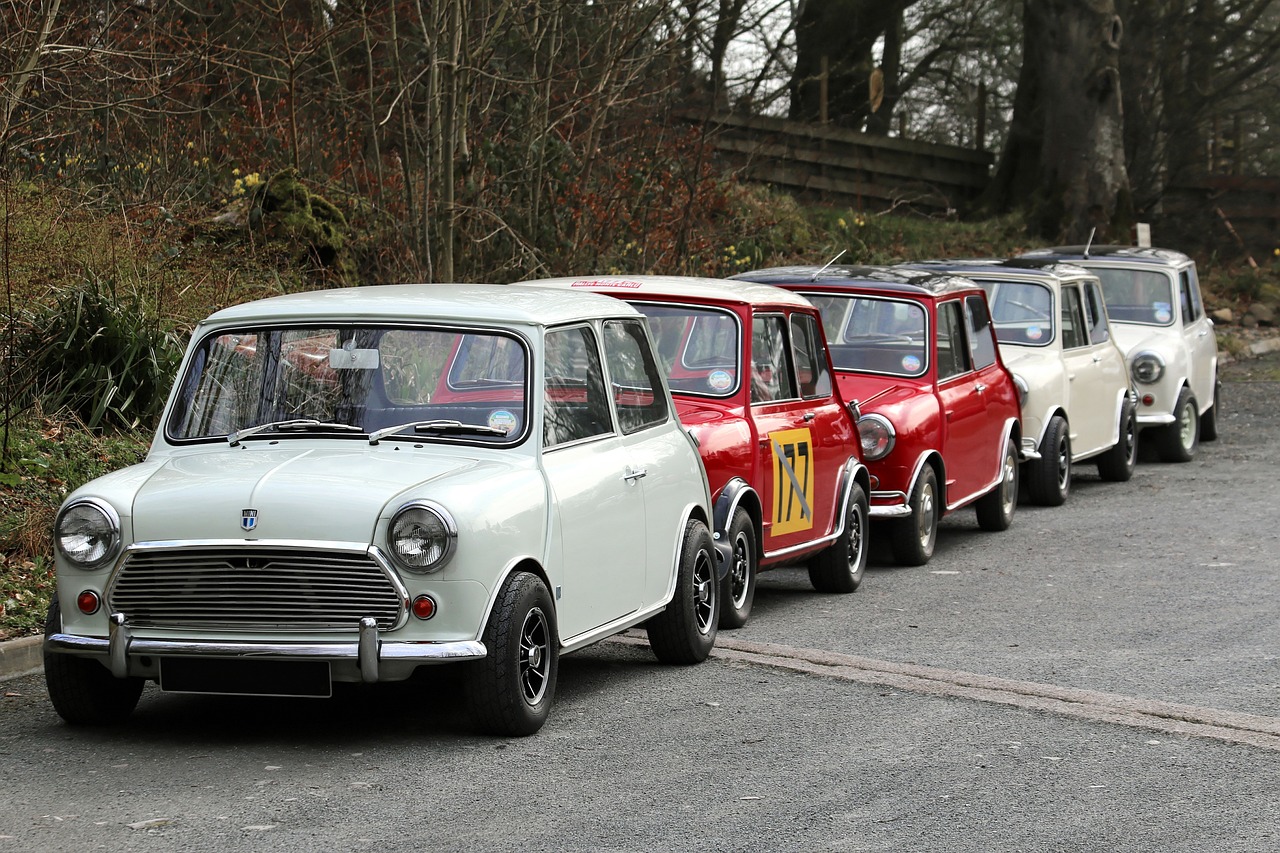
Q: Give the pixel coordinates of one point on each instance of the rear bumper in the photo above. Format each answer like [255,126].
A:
[365,649]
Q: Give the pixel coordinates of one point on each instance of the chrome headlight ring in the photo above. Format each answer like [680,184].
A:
[1024,390]
[87,533]
[422,536]
[1147,367]
[877,435]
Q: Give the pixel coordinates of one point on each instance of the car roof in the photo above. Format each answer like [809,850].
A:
[983,267]
[485,303]
[1130,254]
[683,288]
[903,280]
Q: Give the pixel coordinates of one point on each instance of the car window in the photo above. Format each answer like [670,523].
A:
[575,406]
[771,377]
[1137,296]
[981,344]
[635,376]
[873,335]
[1095,313]
[1022,311]
[698,347]
[1190,296]
[1073,328]
[953,351]
[810,358]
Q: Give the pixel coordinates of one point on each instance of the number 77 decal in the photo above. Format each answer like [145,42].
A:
[792,498]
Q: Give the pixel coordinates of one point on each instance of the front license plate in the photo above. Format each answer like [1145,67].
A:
[246,677]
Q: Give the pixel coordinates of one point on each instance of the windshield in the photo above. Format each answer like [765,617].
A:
[698,347]
[274,382]
[1022,312]
[867,334]
[1137,296]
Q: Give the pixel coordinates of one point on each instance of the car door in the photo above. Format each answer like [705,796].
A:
[973,460]
[597,504]
[799,505]
[1091,379]
[1197,332]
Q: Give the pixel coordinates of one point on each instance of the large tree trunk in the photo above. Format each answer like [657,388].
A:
[1064,161]
[843,33]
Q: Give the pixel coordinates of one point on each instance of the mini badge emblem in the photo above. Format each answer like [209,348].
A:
[248,519]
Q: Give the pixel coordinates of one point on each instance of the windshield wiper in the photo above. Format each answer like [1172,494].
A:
[436,426]
[300,424]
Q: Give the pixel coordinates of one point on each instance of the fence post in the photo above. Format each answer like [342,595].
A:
[824,75]
[981,132]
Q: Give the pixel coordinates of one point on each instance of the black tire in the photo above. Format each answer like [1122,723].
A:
[913,538]
[1209,420]
[840,568]
[1178,441]
[1118,463]
[685,632]
[1049,477]
[82,690]
[510,692]
[738,589]
[995,508]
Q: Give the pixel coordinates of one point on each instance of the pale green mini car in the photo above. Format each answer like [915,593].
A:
[350,484]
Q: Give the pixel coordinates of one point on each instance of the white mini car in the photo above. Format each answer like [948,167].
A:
[1077,402]
[1153,299]
[349,484]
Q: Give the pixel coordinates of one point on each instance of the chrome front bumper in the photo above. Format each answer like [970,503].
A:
[367,650]
[897,507]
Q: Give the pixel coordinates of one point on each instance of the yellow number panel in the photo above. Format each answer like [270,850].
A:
[792,497]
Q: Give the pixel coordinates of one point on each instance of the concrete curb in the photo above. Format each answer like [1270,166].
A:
[21,657]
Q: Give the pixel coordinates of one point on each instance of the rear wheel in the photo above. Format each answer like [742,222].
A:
[82,690]
[1118,463]
[738,589]
[840,567]
[913,538]
[686,631]
[1178,441]
[511,690]
[995,508]
[1049,477]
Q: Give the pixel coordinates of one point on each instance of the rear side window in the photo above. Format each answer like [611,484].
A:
[981,344]
[953,351]
[770,367]
[810,357]
[1095,313]
[634,376]
[575,406]
[1073,328]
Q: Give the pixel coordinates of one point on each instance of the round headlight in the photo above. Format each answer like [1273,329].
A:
[1023,390]
[422,536]
[1147,368]
[87,533]
[877,436]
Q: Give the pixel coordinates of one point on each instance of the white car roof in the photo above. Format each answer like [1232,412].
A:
[492,303]
[691,287]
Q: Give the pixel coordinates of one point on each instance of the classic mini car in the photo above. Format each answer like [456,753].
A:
[350,484]
[751,378]
[937,412]
[1153,300]
[1077,401]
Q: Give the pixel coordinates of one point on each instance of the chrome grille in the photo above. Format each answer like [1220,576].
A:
[254,588]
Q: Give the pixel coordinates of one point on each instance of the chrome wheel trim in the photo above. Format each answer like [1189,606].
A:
[704,600]
[739,571]
[1129,435]
[926,516]
[1064,463]
[1006,485]
[855,540]
[1187,426]
[535,656]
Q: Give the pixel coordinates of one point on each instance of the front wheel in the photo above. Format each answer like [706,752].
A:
[1178,441]
[1049,477]
[510,692]
[995,508]
[82,690]
[913,538]
[1209,420]
[1118,463]
[685,632]
[840,567]
[738,589]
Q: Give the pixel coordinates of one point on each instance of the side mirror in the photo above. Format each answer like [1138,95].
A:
[855,411]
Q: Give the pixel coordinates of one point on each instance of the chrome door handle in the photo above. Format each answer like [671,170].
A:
[808,416]
[979,387]
[634,473]
[1097,358]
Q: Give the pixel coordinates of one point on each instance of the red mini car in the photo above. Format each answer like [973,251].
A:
[938,412]
[751,379]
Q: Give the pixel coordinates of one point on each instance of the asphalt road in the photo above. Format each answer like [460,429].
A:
[1102,676]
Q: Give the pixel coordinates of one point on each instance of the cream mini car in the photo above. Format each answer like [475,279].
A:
[1077,401]
[1153,299]
[350,484]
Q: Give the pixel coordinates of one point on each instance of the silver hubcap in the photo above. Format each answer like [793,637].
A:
[1064,463]
[855,540]
[925,518]
[704,602]
[535,656]
[1187,425]
[1006,486]
[739,572]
